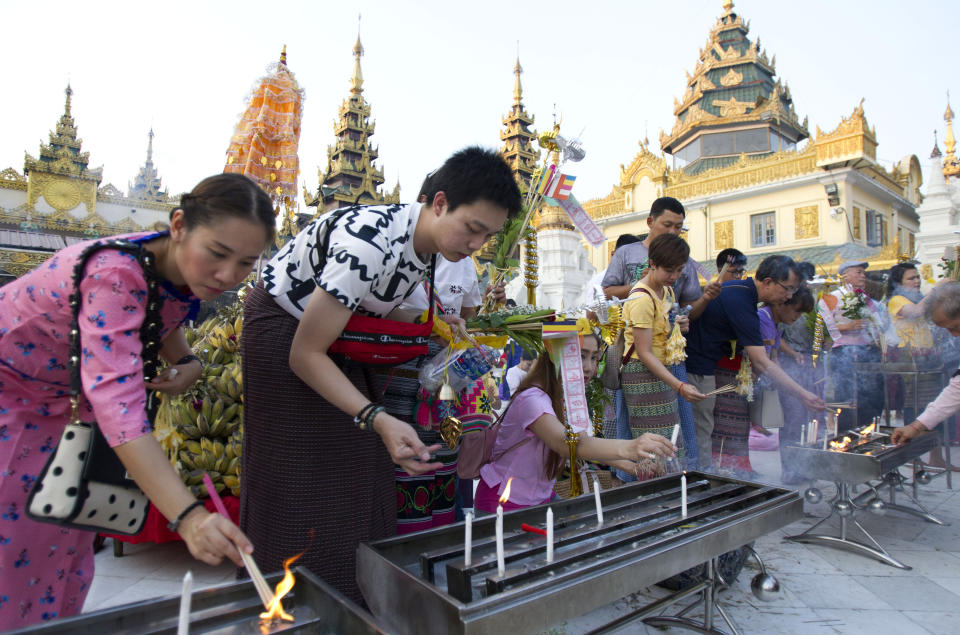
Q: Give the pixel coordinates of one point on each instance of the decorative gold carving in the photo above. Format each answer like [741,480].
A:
[61,193]
[852,139]
[723,234]
[645,163]
[856,223]
[806,222]
[17,263]
[12,180]
[610,205]
[926,271]
[704,83]
[747,172]
[731,107]
[732,78]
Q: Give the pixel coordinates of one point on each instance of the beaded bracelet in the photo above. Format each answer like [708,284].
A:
[367,414]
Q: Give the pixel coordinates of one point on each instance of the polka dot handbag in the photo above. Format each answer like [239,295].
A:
[84,485]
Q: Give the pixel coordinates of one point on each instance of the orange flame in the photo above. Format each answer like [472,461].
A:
[870,429]
[506,491]
[275,608]
[841,446]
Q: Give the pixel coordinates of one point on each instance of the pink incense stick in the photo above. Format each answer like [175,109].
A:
[263,589]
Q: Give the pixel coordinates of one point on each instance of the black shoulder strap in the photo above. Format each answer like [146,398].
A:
[149,329]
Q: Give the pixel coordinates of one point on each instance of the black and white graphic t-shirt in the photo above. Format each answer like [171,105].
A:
[370,262]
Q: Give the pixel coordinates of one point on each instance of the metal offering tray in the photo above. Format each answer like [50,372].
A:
[231,609]
[419,583]
[874,462]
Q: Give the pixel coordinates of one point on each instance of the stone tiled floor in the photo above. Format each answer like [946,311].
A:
[824,590]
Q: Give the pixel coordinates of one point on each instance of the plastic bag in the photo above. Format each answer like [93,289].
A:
[459,368]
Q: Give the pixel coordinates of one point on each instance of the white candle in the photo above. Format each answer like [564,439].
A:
[814,430]
[824,439]
[183,625]
[803,434]
[596,497]
[683,495]
[501,565]
[676,432]
[468,539]
[549,534]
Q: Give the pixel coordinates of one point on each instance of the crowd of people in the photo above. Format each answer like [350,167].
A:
[342,448]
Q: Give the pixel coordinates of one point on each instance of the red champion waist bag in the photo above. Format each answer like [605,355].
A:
[379,341]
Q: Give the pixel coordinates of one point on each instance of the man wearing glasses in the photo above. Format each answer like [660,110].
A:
[733,316]
[848,313]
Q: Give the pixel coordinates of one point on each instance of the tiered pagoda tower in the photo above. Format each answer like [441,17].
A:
[951,165]
[351,177]
[146,187]
[61,175]
[517,149]
[733,104]
[517,136]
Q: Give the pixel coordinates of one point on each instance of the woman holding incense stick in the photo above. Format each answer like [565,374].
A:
[531,445]
[649,387]
[216,234]
[319,447]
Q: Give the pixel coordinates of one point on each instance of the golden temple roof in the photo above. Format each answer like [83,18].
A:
[734,83]
[351,176]
[62,155]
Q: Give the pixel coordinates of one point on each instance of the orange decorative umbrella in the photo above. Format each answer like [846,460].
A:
[264,143]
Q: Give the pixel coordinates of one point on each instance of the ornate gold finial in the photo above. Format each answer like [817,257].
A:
[69,93]
[283,55]
[517,88]
[727,6]
[150,145]
[951,166]
[356,82]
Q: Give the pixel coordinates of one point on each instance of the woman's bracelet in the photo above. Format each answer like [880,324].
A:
[186,359]
[174,524]
[680,388]
[364,418]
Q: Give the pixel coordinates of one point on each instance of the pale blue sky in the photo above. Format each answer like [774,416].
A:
[439,74]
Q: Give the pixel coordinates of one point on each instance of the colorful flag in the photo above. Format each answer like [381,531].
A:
[547,179]
[564,187]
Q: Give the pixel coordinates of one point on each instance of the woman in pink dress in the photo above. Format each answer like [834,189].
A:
[531,444]
[215,236]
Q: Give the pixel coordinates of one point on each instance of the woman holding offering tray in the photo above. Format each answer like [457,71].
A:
[531,444]
[318,450]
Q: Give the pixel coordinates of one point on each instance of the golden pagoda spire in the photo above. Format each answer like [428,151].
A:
[356,82]
[66,107]
[517,88]
[949,141]
[727,6]
[283,55]
[951,165]
[150,145]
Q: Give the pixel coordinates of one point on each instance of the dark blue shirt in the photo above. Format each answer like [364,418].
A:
[730,316]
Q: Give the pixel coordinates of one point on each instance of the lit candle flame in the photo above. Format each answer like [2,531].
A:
[506,491]
[869,429]
[275,608]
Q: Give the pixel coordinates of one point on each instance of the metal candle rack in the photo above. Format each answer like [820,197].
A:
[232,609]
[853,467]
[642,541]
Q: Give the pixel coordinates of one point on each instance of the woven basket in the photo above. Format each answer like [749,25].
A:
[604,477]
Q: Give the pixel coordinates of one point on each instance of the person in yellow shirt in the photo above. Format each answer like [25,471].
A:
[906,306]
[650,389]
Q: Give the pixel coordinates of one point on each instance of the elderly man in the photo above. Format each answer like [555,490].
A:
[847,314]
[733,316]
[943,309]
